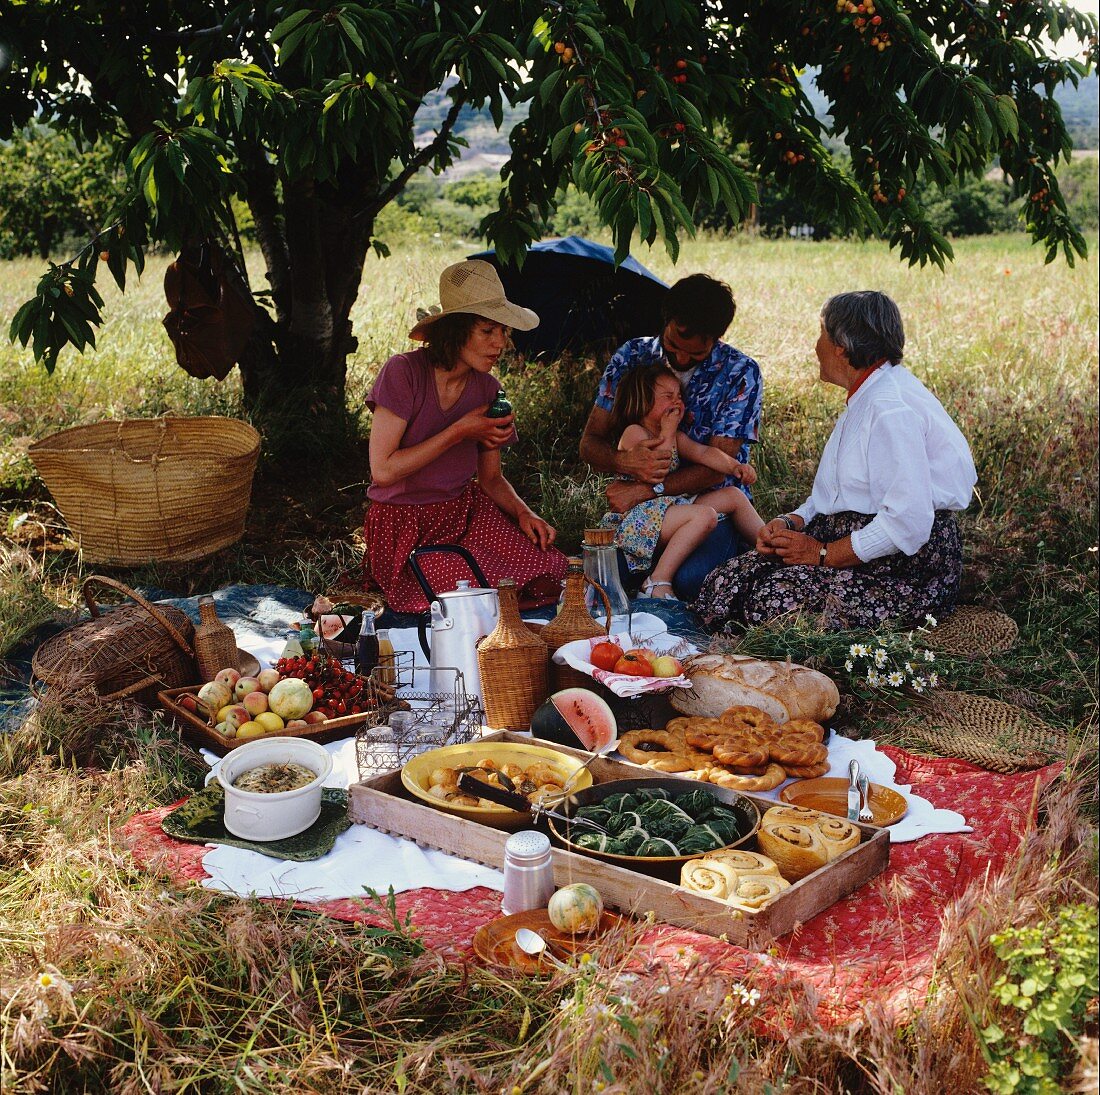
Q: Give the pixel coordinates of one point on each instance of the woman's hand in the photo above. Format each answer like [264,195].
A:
[489,433]
[765,538]
[537,530]
[795,548]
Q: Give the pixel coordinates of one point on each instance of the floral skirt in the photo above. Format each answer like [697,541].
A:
[903,589]
[638,531]
[473,521]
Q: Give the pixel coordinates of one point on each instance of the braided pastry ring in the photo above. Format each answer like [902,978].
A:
[799,753]
[809,771]
[744,717]
[668,746]
[741,752]
[802,728]
[773,776]
[716,734]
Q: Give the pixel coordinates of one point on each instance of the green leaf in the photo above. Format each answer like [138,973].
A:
[289,23]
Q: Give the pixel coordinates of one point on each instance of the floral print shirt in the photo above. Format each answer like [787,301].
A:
[723,396]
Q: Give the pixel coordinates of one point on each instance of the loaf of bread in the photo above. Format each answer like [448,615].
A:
[785,690]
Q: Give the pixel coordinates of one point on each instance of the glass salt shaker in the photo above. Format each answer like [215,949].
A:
[528,872]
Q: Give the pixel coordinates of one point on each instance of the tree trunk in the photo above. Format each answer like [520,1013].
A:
[314,249]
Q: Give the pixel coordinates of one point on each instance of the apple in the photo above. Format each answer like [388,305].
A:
[268,678]
[243,686]
[312,718]
[228,676]
[634,666]
[189,703]
[666,666]
[297,724]
[236,716]
[223,729]
[256,702]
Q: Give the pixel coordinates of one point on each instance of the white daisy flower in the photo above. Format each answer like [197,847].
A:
[909,668]
[930,620]
[874,678]
[849,665]
[929,656]
[919,684]
[895,679]
[880,657]
[853,650]
[933,680]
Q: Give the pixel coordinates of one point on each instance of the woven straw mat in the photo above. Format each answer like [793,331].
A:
[971,631]
[991,733]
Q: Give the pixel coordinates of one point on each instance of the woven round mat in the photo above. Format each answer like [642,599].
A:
[971,631]
[993,734]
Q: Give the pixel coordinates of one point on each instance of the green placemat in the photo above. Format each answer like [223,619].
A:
[201,820]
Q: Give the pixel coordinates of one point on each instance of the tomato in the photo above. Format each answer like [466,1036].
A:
[642,653]
[604,655]
[634,666]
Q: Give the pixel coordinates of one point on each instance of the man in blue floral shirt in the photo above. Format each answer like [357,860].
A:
[722,390]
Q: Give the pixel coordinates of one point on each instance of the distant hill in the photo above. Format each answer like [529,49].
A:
[489,146]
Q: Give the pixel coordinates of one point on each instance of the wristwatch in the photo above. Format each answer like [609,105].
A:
[658,489]
[821,554]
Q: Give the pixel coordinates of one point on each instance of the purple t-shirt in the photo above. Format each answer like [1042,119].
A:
[406,387]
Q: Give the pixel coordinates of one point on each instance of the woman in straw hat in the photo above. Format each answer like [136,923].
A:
[435,455]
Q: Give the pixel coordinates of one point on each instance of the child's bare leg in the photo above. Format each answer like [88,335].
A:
[730,500]
[684,528]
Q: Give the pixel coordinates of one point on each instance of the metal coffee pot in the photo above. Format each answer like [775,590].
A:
[458,619]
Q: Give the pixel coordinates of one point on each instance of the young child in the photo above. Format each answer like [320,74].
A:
[648,404]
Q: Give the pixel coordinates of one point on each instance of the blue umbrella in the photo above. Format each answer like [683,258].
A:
[581,298]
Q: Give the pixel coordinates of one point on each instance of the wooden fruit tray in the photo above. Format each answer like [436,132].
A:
[384,804]
[201,731]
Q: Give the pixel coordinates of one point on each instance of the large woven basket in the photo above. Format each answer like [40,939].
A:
[131,651]
[155,489]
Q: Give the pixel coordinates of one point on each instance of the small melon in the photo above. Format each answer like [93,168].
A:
[576,908]
[576,716]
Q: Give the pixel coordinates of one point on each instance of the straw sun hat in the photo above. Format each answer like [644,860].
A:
[473,287]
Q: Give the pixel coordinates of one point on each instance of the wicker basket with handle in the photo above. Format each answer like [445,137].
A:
[168,489]
[573,622]
[513,665]
[131,651]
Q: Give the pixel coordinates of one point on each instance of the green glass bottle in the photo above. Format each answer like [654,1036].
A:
[500,407]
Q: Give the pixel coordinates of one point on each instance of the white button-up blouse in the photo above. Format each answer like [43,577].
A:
[894,453]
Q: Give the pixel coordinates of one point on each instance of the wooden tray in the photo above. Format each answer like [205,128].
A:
[205,734]
[384,804]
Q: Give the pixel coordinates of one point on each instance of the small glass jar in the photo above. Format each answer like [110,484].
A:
[528,872]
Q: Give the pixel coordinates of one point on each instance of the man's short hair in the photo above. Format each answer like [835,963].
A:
[700,305]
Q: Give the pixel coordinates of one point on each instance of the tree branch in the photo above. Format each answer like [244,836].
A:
[419,160]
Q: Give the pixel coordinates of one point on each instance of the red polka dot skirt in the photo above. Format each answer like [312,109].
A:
[473,521]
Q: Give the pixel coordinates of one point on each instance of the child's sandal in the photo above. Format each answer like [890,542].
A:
[648,586]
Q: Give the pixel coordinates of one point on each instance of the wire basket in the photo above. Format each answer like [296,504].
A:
[417,718]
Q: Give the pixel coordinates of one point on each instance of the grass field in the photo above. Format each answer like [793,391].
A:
[170,989]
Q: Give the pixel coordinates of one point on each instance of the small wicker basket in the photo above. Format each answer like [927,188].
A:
[133,651]
[159,489]
[513,664]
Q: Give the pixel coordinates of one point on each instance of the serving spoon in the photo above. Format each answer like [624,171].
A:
[535,945]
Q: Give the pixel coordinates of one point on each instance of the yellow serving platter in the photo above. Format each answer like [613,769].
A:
[415,776]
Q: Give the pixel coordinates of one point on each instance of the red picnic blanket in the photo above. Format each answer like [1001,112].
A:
[875,946]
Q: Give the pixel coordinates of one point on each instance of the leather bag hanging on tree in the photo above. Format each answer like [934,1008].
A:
[211,311]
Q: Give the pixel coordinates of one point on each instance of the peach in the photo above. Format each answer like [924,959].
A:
[312,718]
[256,702]
[268,678]
[245,685]
[228,676]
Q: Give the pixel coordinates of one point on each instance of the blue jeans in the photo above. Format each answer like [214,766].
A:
[722,544]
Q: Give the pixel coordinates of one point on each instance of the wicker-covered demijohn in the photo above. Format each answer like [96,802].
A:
[572,622]
[158,489]
[513,665]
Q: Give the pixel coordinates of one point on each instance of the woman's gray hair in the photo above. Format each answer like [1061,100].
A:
[867,324]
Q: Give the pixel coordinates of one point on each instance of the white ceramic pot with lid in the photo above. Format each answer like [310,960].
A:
[259,815]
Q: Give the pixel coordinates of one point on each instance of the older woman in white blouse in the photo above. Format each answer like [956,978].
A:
[877,540]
